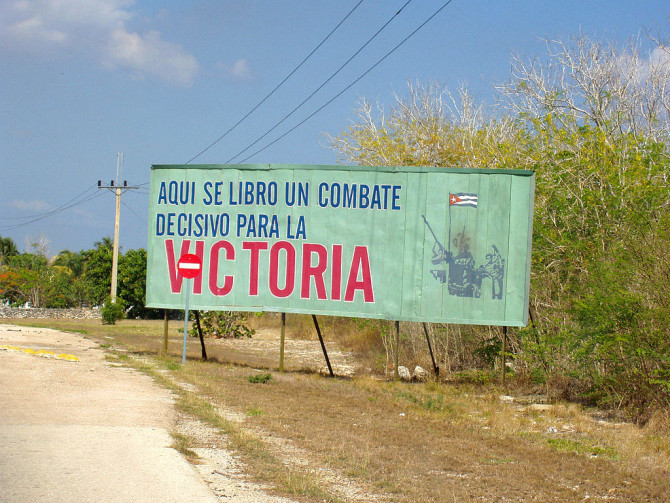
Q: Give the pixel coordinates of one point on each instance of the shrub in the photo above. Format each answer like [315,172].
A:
[112,311]
[259,378]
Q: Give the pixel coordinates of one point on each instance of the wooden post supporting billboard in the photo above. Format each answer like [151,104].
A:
[282,340]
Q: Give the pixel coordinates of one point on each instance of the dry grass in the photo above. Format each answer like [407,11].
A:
[408,442]
[355,335]
[184,444]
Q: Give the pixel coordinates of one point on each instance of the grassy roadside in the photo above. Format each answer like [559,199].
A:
[261,462]
[406,441]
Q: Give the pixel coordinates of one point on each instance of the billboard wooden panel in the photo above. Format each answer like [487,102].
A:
[402,243]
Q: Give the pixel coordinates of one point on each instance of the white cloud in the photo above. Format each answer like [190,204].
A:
[652,70]
[97,28]
[240,70]
[150,55]
[24,205]
[33,28]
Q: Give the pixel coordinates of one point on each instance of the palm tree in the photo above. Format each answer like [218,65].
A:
[73,261]
[7,249]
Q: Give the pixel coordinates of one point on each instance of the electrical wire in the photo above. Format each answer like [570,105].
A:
[319,88]
[141,219]
[75,202]
[350,85]
[51,213]
[276,87]
[295,109]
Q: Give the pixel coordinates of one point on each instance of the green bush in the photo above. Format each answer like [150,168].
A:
[489,351]
[259,378]
[113,311]
[620,343]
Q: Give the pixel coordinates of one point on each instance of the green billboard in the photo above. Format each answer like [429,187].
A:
[399,243]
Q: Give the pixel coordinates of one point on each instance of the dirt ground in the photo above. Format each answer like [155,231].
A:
[76,427]
[299,354]
[360,438]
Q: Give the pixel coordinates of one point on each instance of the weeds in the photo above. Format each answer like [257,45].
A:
[302,484]
[259,378]
[430,403]
[581,447]
[182,443]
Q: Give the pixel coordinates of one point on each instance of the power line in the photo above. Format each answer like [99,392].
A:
[141,219]
[276,87]
[51,213]
[77,200]
[350,85]
[383,58]
[141,184]
[295,109]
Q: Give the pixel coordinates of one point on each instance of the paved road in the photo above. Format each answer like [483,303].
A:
[85,431]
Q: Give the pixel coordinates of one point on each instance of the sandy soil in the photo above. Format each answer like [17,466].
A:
[299,354]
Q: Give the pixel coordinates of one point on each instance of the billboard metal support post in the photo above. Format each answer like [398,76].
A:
[430,348]
[281,342]
[397,350]
[202,340]
[323,346]
[188,290]
[165,333]
[504,351]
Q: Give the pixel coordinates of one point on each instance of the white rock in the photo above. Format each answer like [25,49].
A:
[403,373]
[420,373]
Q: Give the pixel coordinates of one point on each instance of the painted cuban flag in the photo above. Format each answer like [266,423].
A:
[462,199]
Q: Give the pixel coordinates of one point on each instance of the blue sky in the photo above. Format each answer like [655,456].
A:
[159,81]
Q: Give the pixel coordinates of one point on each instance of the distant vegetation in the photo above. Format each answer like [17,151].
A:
[72,279]
[593,121]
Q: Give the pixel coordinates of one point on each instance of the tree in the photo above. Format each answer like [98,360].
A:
[72,264]
[72,261]
[97,271]
[585,82]
[593,121]
[132,284]
[29,279]
[7,249]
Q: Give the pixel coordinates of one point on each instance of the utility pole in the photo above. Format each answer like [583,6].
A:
[118,190]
